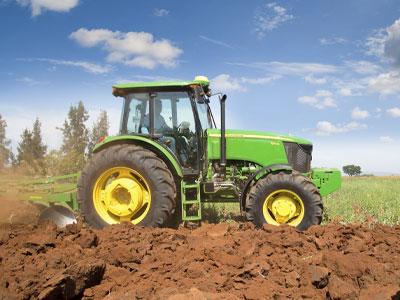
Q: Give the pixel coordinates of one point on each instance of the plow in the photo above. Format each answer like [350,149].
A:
[55,197]
[170,158]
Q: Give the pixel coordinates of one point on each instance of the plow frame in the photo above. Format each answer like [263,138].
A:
[56,190]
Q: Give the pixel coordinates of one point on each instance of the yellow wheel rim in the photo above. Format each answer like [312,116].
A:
[121,194]
[283,207]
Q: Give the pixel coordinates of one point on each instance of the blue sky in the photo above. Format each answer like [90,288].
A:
[327,71]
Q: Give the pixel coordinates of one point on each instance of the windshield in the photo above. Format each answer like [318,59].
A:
[204,115]
[171,110]
[169,115]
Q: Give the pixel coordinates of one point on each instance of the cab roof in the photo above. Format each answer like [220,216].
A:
[156,84]
[124,88]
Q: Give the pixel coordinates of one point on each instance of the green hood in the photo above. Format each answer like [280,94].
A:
[247,134]
[262,148]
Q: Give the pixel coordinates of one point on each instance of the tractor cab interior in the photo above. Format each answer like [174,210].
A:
[171,122]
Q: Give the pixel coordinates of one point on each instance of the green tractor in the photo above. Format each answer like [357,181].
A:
[169,158]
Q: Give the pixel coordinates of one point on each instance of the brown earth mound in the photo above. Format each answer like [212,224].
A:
[210,262]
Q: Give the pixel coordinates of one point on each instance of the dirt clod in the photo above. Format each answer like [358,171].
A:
[41,261]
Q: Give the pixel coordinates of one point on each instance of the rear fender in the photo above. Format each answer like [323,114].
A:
[147,143]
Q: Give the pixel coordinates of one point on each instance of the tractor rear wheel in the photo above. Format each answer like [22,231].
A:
[282,198]
[126,183]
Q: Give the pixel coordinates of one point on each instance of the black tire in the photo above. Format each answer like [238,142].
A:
[294,183]
[155,175]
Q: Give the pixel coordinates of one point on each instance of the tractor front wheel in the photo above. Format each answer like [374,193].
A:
[282,198]
[126,183]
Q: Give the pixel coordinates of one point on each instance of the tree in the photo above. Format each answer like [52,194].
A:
[75,139]
[6,156]
[25,148]
[99,130]
[39,149]
[31,150]
[352,170]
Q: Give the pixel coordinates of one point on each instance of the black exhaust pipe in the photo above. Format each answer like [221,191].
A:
[223,139]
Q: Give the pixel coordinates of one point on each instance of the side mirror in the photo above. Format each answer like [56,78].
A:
[199,93]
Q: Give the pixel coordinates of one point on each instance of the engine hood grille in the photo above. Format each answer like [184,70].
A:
[299,156]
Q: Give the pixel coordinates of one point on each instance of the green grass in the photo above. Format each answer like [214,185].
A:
[360,199]
[365,198]
[221,212]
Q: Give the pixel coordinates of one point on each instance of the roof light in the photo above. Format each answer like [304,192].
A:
[202,80]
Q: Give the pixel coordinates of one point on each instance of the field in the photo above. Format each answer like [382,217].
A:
[365,199]
[351,256]
[360,199]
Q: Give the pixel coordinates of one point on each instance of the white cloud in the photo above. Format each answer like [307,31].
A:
[312,79]
[359,114]
[352,87]
[308,100]
[332,41]
[363,67]
[323,93]
[327,102]
[375,43]
[224,82]
[38,6]
[216,42]
[87,66]
[30,81]
[160,12]
[386,139]
[263,80]
[269,17]
[345,92]
[392,43]
[385,84]
[393,112]
[291,68]
[316,100]
[385,43]
[325,128]
[131,48]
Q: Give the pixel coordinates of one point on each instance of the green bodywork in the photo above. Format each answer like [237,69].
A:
[261,148]
[327,180]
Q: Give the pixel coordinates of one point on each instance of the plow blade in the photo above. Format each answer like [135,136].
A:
[60,215]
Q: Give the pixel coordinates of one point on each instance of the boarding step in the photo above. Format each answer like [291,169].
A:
[191,203]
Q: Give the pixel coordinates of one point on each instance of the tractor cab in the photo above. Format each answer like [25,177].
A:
[174,114]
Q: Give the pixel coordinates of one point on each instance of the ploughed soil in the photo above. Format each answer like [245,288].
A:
[237,261]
